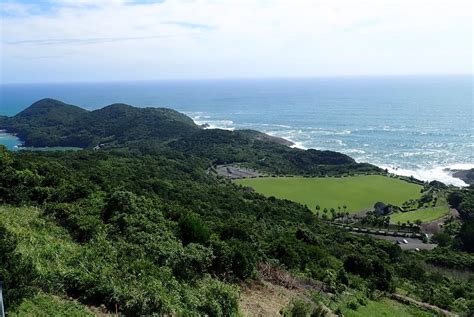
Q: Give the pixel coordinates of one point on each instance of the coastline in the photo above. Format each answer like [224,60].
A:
[452,174]
[455,174]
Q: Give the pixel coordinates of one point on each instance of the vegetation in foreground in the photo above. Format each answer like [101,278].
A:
[158,234]
[145,228]
[356,193]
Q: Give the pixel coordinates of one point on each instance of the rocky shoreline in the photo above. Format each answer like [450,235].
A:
[466,176]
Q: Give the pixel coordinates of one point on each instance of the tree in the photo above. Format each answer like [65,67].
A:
[318,207]
[442,239]
[466,235]
[192,229]
[333,213]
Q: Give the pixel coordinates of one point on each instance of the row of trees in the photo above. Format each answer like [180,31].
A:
[334,214]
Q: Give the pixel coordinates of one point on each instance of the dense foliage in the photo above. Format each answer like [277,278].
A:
[160,234]
[50,122]
[463,201]
[145,226]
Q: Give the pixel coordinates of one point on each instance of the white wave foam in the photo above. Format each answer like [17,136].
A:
[354,151]
[461,166]
[202,119]
[330,132]
[288,136]
[217,124]
[298,145]
[440,173]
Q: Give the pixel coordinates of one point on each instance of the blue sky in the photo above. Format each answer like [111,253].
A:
[101,40]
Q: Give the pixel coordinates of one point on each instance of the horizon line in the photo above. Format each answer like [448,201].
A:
[237,78]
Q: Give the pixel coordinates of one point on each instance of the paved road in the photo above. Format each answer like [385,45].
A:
[411,245]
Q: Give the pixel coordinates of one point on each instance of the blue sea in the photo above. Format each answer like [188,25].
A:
[417,125]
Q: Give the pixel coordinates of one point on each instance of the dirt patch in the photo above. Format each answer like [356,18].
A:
[436,225]
[270,295]
[263,298]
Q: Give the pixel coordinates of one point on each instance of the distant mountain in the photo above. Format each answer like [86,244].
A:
[50,122]
[49,112]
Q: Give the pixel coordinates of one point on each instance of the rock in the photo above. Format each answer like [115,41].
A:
[466,176]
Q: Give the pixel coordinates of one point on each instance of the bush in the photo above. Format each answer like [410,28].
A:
[302,308]
[352,305]
[192,229]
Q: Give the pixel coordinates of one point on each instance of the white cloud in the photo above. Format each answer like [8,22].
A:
[113,39]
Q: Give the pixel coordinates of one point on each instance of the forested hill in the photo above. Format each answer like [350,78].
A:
[142,228]
[49,122]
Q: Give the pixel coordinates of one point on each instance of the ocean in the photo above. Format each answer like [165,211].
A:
[412,125]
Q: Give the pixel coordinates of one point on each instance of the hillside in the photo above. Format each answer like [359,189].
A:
[143,226]
[159,234]
[51,123]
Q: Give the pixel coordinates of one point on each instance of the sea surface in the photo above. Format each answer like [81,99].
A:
[417,125]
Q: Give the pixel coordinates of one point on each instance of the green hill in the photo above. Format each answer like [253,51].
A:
[51,123]
[144,226]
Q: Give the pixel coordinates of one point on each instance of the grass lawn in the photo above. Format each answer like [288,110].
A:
[425,215]
[356,192]
[386,307]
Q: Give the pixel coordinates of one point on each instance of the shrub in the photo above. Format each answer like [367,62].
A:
[303,308]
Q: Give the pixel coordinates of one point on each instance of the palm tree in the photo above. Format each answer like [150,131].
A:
[333,213]
[318,207]
[345,207]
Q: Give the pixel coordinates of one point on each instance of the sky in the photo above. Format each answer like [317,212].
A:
[109,40]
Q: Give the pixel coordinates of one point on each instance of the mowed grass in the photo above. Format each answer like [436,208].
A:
[356,192]
[425,215]
[386,307]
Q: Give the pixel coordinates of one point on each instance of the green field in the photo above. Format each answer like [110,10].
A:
[356,192]
[425,215]
[386,307]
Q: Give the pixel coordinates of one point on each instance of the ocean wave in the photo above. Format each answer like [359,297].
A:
[428,161]
[289,137]
[340,143]
[217,124]
[461,166]
[354,151]
[329,132]
[439,173]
